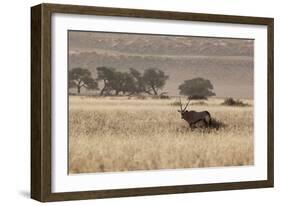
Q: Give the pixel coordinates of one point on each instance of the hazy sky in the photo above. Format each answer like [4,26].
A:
[227,63]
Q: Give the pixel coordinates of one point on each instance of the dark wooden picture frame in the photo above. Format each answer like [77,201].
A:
[41,172]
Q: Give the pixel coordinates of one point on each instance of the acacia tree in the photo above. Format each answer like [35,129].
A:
[106,75]
[138,84]
[118,82]
[154,80]
[128,84]
[79,77]
[197,87]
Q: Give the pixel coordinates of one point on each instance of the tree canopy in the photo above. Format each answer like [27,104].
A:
[197,87]
[139,84]
[79,77]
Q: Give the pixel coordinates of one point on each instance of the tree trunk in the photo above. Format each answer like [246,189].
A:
[78,89]
[102,91]
[154,90]
[104,88]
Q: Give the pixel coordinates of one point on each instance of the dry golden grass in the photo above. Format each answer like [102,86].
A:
[119,134]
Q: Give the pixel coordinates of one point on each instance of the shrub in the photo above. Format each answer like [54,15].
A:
[195,97]
[216,124]
[164,97]
[232,102]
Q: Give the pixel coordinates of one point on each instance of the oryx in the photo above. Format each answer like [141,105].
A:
[195,118]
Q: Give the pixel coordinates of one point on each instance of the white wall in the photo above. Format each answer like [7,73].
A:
[15,103]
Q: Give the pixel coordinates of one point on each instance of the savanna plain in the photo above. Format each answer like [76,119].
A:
[111,134]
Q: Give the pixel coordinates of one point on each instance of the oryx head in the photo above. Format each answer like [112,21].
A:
[183,111]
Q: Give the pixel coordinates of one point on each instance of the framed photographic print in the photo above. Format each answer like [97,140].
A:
[132,102]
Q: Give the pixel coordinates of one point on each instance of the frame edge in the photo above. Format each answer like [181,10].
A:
[270,101]
[36,138]
[40,103]
[157,14]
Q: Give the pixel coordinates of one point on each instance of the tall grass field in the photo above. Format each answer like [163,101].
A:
[110,134]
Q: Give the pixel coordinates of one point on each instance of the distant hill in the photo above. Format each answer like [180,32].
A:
[228,63]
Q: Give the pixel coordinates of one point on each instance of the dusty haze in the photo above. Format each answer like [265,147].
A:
[227,63]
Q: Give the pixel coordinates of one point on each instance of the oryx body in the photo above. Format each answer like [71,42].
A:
[193,117]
